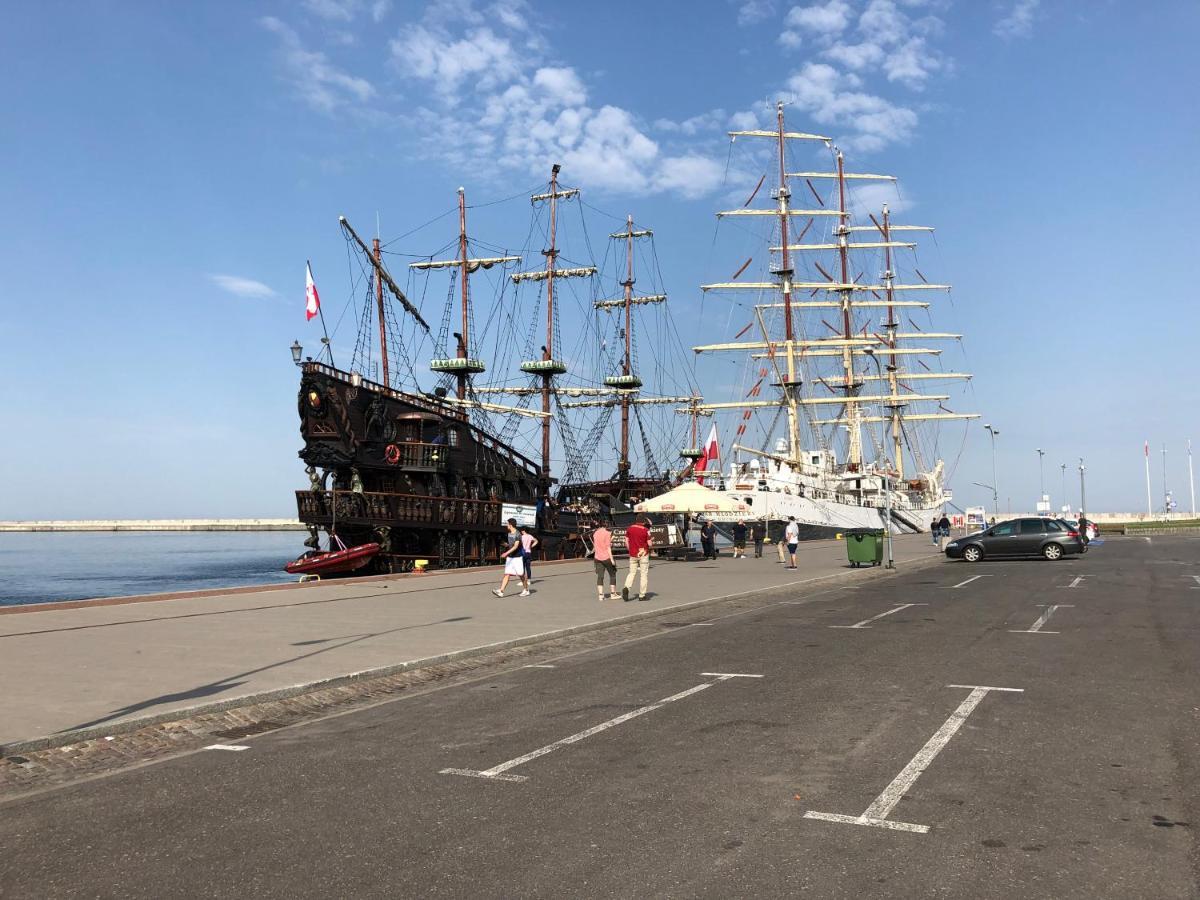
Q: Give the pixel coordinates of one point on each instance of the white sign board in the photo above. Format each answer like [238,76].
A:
[976,517]
[525,515]
[1043,506]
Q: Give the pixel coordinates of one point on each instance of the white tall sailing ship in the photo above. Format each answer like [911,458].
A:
[857,421]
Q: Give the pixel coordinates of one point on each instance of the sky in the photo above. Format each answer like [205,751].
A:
[167,169]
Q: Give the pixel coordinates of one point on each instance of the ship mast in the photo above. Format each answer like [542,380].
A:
[548,350]
[462,365]
[842,232]
[383,350]
[548,367]
[627,369]
[785,284]
[465,337]
[890,339]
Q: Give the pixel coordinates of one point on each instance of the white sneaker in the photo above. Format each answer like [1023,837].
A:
[498,592]
[524,594]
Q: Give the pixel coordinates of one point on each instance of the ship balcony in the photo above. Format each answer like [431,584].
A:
[459,365]
[415,457]
[623,382]
[373,508]
[544,367]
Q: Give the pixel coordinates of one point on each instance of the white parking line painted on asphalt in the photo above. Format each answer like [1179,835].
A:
[233,747]
[1197,587]
[876,815]
[863,623]
[724,675]
[496,773]
[1076,582]
[968,581]
[532,666]
[1036,627]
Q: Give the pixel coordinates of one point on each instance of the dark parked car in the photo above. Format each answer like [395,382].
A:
[1048,538]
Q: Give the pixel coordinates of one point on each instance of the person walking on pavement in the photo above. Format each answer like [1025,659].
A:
[739,540]
[758,533]
[791,535]
[637,538]
[528,542]
[514,564]
[708,539]
[602,561]
[944,527]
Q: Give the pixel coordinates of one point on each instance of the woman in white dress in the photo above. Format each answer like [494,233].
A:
[514,562]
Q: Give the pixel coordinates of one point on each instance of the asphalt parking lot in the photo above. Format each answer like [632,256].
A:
[1016,728]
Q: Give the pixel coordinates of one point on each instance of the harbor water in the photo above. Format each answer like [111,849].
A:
[44,567]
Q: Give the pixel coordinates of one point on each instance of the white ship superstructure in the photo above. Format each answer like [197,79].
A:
[852,392]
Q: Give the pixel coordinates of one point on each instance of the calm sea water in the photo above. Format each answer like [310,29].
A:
[43,567]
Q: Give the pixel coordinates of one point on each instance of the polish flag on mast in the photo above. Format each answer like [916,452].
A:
[711,454]
[312,304]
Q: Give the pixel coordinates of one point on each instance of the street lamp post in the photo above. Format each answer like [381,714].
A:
[1064,483]
[1082,490]
[887,490]
[1042,475]
[995,481]
[296,351]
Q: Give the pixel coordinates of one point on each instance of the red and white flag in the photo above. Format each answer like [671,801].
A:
[1147,449]
[711,454]
[312,302]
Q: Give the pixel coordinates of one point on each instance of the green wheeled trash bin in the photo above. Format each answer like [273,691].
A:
[864,545]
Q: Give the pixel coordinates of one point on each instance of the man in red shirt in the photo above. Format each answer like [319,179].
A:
[637,538]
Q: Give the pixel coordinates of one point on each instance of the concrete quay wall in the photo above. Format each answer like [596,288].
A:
[155,525]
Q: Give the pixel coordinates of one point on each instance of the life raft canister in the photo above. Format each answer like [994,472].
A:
[392,454]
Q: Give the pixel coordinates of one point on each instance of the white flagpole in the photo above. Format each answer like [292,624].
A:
[1191,479]
[1149,502]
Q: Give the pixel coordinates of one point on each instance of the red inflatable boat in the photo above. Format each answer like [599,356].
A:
[333,562]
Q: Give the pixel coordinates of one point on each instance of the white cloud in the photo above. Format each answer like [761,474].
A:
[318,82]
[690,175]
[708,123]
[334,10]
[561,85]
[827,18]
[1018,23]
[868,198]
[242,287]
[481,54]
[871,122]
[855,56]
[380,9]
[751,12]
[501,103]
[911,63]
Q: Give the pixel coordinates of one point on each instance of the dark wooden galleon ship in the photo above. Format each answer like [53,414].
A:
[408,469]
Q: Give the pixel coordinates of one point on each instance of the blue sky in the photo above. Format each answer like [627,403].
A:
[168,168]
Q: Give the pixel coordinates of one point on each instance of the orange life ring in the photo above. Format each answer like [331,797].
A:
[392,454]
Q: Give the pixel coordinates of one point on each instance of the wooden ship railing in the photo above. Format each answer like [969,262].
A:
[377,508]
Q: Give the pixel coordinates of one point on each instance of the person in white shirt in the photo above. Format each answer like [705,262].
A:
[791,535]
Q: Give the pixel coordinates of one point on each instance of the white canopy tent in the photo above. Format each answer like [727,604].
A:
[697,500]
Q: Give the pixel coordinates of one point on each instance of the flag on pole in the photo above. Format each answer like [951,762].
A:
[711,452]
[1147,449]
[312,302]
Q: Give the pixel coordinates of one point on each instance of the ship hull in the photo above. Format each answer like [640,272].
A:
[820,519]
[413,475]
